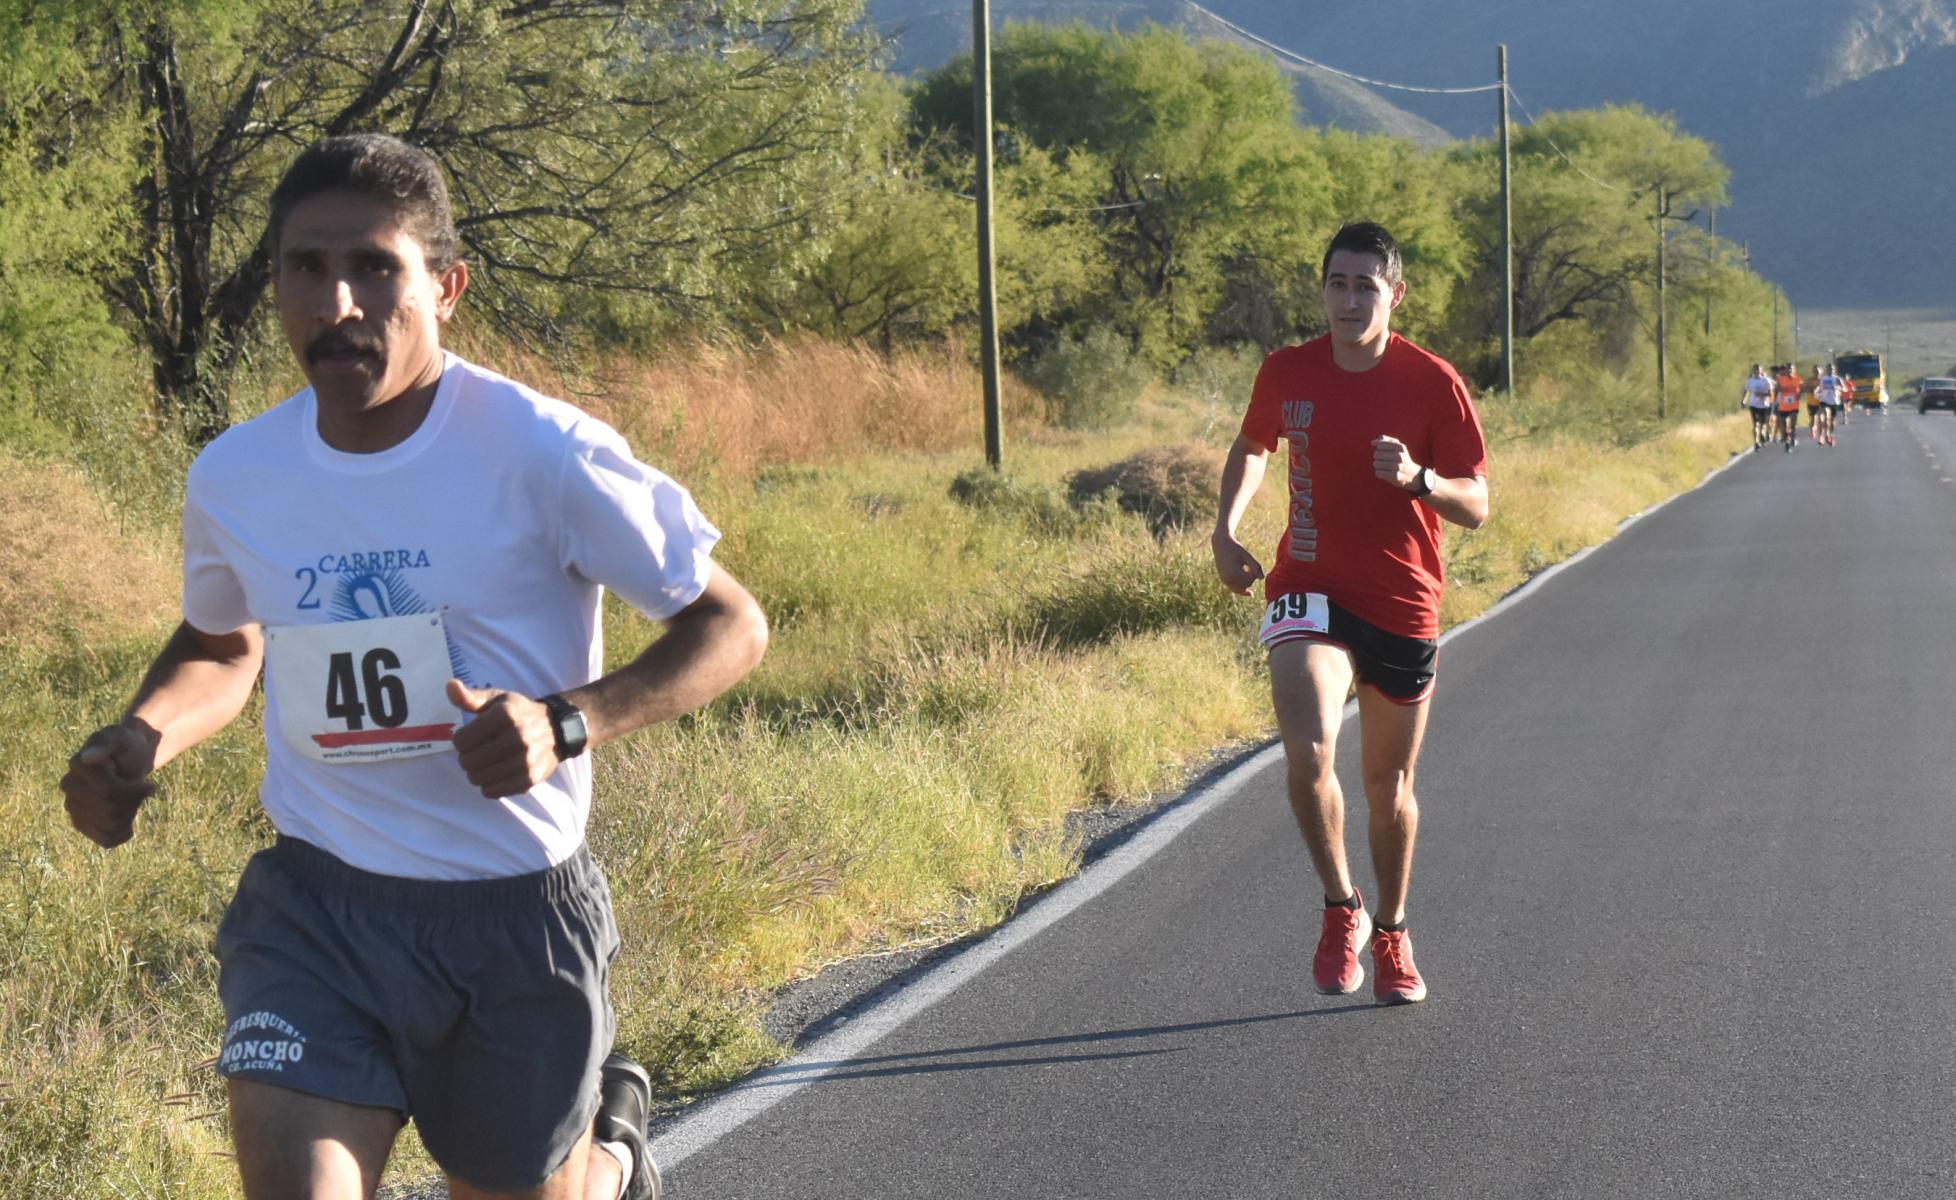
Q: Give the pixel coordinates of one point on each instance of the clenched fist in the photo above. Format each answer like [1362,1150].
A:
[509,747]
[108,780]
[1392,462]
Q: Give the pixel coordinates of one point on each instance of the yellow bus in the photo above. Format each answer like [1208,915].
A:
[1869,375]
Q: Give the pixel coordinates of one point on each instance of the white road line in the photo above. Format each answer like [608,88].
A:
[754,1095]
[713,1119]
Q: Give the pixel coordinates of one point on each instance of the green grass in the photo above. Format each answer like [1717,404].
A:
[949,677]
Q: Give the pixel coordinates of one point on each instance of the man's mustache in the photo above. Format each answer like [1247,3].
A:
[340,341]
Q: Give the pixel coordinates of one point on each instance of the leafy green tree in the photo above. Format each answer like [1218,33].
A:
[1051,241]
[62,177]
[616,163]
[1586,189]
[1194,143]
[899,264]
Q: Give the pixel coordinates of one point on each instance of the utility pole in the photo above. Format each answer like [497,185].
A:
[1711,256]
[1663,211]
[1507,242]
[1775,325]
[981,136]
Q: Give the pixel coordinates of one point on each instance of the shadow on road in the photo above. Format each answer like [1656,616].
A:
[921,1061]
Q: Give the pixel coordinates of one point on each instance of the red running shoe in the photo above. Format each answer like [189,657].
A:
[1335,968]
[1395,980]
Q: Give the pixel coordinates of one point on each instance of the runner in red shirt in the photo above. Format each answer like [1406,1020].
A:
[1384,445]
[1786,387]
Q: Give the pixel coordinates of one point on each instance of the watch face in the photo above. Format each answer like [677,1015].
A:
[568,724]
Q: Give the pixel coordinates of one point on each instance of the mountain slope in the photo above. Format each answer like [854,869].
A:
[928,34]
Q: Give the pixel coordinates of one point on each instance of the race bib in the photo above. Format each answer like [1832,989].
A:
[363,691]
[1296,615]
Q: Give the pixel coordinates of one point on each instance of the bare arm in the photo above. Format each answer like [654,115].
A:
[1242,475]
[706,649]
[197,685]
[1462,501]
[509,747]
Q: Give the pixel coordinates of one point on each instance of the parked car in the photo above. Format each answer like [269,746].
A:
[1937,392]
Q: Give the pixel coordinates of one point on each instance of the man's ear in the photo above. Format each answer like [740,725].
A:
[1398,293]
[449,286]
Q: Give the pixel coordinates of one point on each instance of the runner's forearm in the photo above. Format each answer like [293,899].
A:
[1242,475]
[1462,501]
[705,650]
[198,684]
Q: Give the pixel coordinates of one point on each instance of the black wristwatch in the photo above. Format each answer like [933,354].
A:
[567,725]
[1427,482]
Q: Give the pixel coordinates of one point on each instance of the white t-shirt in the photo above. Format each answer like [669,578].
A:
[1827,389]
[1759,392]
[505,515]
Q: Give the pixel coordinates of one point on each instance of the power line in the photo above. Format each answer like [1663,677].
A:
[1512,95]
[1309,62]
[1405,87]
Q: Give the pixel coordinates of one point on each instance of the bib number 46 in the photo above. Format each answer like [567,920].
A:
[363,691]
[385,695]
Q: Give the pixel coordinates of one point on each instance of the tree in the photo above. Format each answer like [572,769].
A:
[616,163]
[62,176]
[1194,142]
[901,263]
[1585,191]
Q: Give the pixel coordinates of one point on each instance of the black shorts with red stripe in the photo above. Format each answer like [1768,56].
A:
[1400,668]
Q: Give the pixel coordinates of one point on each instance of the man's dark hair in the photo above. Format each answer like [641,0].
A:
[1365,237]
[405,178]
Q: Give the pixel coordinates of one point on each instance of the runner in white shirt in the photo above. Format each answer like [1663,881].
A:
[1829,390]
[1759,400]
[416,551]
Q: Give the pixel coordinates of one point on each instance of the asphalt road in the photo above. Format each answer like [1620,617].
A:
[1684,899]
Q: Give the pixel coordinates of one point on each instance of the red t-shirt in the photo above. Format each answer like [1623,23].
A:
[1368,545]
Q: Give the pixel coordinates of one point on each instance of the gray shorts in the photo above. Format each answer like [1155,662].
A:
[479,1009]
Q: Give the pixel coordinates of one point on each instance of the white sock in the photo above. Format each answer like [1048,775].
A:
[623,1154]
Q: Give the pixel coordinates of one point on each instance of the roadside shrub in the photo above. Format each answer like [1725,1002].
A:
[1039,505]
[1134,588]
[1169,487]
[1092,382]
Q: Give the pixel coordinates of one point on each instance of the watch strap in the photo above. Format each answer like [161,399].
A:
[566,726]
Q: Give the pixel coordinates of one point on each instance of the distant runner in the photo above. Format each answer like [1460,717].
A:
[1384,445]
[1787,393]
[415,550]
[1758,400]
[1829,391]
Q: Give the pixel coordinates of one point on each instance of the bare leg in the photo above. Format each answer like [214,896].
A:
[1308,682]
[292,1146]
[1389,738]
[588,1174]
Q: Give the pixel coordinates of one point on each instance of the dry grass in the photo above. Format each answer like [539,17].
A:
[721,410]
[71,572]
